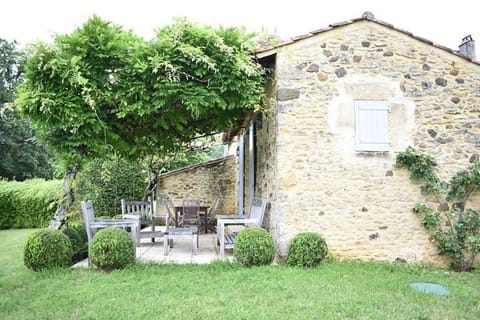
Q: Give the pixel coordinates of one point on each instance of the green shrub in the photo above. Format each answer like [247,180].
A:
[47,248]
[78,237]
[254,247]
[307,249]
[28,204]
[112,248]
[107,181]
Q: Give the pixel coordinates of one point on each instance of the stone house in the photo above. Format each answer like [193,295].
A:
[344,101]
[204,181]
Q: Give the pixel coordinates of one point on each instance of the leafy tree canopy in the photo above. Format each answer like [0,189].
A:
[102,88]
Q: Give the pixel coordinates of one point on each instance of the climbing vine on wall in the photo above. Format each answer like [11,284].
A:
[455,228]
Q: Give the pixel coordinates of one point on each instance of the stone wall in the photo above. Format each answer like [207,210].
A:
[246,170]
[310,171]
[204,181]
[266,174]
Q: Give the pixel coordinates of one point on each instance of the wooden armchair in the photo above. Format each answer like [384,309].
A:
[190,213]
[142,210]
[92,224]
[171,233]
[211,217]
[226,238]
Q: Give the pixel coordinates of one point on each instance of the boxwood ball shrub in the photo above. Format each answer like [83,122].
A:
[112,248]
[78,237]
[307,249]
[47,248]
[254,247]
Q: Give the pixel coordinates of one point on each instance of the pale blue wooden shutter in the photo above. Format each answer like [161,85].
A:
[371,125]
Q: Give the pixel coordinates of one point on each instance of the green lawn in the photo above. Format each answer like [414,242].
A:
[335,290]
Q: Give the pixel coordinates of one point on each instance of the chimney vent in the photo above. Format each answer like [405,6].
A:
[467,47]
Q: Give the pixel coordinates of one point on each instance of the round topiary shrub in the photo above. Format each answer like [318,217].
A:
[78,237]
[47,248]
[307,249]
[112,248]
[254,247]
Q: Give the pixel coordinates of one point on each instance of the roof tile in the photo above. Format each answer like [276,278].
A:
[365,17]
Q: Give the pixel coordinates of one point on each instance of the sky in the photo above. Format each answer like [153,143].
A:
[443,22]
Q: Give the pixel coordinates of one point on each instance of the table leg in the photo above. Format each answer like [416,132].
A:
[195,242]
[165,244]
[205,221]
[153,229]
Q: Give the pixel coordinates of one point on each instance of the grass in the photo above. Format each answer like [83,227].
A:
[336,290]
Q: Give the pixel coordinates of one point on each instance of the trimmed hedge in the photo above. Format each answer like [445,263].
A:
[254,247]
[307,249]
[47,248]
[28,204]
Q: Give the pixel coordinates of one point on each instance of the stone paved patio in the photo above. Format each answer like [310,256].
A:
[181,252]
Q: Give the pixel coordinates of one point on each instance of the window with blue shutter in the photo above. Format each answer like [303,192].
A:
[371,125]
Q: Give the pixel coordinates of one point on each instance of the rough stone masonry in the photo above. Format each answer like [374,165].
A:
[307,165]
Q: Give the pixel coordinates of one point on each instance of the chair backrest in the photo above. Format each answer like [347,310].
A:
[165,204]
[191,208]
[88,217]
[213,209]
[165,207]
[87,211]
[138,208]
[257,212]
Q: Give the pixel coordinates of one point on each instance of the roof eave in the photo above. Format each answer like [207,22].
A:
[265,52]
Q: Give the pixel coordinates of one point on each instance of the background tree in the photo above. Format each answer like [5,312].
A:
[9,70]
[21,157]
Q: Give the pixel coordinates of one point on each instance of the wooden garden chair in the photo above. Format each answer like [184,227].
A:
[226,238]
[190,213]
[210,222]
[92,225]
[172,233]
[142,210]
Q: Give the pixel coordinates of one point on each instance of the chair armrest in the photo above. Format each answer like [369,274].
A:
[222,222]
[131,216]
[229,216]
[115,223]
[221,228]
[235,221]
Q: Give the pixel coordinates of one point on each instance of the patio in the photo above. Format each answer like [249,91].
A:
[181,253]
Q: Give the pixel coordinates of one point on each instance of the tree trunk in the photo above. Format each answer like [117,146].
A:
[67,200]
[155,167]
[150,189]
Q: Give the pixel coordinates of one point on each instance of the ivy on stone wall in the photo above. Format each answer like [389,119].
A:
[455,228]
